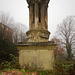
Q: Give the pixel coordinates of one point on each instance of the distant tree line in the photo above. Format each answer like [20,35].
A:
[18,29]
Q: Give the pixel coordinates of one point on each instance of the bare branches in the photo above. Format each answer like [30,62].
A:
[66,30]
[19,30]
[5,18]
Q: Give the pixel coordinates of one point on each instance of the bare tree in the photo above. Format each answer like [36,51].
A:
[15,35]
[6,19]
[19,33]
[66,31]
[19,30]
[22,33]
[23,36]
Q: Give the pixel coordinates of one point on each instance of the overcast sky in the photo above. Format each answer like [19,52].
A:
[57,11]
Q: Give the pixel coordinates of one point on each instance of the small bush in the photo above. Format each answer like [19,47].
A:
[7,48]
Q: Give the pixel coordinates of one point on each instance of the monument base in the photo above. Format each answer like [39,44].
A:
[38,56]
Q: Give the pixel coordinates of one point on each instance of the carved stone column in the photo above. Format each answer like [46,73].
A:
[36,15]
[46,18]
[43,16]
[30,16]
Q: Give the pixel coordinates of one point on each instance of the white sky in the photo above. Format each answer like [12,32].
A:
[57,11]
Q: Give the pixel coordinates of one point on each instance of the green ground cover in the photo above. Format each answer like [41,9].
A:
[62,67]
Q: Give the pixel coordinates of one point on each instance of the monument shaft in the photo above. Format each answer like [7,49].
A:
[38,21]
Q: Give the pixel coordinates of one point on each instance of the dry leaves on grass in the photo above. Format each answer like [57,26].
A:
[18,73]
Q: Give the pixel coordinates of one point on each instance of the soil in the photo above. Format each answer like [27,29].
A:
[17,73]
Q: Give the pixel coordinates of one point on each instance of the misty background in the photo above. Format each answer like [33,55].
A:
[57,11]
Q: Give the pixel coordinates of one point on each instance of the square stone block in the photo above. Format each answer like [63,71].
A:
[36,55]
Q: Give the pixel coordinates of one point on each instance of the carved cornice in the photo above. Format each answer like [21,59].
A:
[39,1]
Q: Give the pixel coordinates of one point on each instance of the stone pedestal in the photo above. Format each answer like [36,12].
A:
[38,56]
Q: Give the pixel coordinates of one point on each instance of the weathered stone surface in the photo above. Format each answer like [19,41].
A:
[38,21]
[37,53]
[39,1]
[37,35]
[37,56]
[50,43]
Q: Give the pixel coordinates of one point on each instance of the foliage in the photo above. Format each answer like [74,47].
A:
[7,48]
[59,49]
[6,65]
[22,70]
[44,73]
[64,67]
[30,70]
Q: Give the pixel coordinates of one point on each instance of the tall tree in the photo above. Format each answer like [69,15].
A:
[66,31]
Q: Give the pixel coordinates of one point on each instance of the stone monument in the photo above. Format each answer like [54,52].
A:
[38,52]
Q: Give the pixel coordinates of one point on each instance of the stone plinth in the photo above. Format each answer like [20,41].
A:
[37,55]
